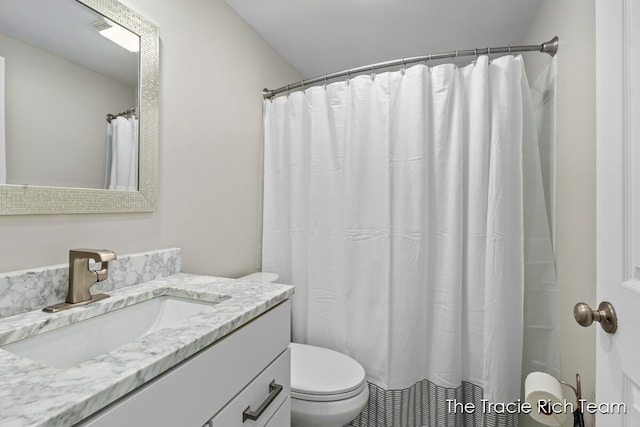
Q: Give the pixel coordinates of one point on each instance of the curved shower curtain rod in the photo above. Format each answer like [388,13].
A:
[550,47]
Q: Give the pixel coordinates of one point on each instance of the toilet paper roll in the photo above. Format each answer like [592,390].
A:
[539,386]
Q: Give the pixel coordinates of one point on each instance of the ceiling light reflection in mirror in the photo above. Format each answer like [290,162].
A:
[117,34]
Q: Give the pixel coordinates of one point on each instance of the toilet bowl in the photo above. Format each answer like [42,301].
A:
[328,388]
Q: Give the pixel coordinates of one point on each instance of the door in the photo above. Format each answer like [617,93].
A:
[618,209]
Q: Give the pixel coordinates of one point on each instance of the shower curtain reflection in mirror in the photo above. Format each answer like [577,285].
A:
[408,210]
[122,154]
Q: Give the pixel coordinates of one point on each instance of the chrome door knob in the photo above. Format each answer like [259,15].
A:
[605,314]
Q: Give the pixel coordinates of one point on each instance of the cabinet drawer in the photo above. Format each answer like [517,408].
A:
[282,417]
[195,390]
[257,394]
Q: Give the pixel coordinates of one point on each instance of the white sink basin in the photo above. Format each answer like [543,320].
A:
[73,344]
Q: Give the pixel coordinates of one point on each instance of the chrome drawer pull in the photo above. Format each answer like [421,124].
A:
[274,391]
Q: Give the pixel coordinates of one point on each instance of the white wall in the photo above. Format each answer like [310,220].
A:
[212,70]
[55,113]
[573,21]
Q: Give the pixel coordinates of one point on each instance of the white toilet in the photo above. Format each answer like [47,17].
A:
[328,389]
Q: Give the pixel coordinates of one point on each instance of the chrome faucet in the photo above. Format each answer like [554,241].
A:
[81,277]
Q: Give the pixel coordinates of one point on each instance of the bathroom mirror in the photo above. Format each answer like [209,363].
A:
[107,79]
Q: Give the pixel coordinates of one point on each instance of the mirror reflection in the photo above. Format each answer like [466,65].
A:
[69,86]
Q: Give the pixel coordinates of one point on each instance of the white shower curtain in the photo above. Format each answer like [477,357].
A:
[394,204]
[541,350]
[122,154]
[3,152]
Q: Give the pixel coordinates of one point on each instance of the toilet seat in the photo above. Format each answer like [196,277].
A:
[322,375]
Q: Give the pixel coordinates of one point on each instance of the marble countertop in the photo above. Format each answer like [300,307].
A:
[33,394]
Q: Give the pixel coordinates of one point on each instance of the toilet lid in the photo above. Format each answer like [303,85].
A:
[261,277]
[317,373]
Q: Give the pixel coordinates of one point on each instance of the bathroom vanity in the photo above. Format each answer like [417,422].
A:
[222,362]
[234,373]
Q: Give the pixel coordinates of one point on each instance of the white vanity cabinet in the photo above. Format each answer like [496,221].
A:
[246,372]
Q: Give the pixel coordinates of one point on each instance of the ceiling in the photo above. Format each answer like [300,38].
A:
[322,36]
[63,27]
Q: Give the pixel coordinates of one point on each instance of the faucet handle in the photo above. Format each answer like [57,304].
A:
[103,273]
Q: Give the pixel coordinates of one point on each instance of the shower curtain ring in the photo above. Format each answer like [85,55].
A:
[509,47]
[288,92]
